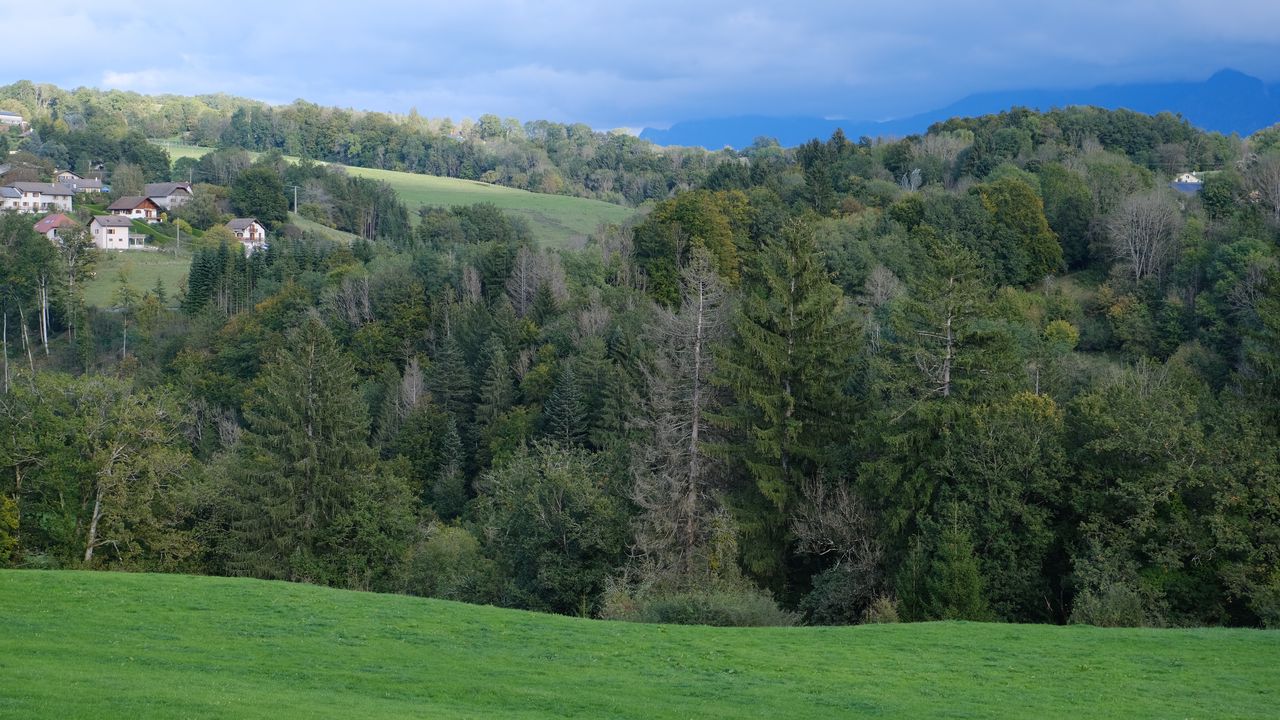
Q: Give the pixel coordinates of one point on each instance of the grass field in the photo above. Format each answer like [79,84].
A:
[108,645]
[143,269]
[554,219]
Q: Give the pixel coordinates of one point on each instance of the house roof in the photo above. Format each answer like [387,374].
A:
[68,172]
[112,220]
[9,192]
[10,114]
[44,188]
[166,189]
[242,223]
[87,183]
[53,222]
[128,202]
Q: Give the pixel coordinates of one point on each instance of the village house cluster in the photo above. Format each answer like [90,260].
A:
[115,229]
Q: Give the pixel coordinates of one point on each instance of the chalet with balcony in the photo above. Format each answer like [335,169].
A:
[136,207]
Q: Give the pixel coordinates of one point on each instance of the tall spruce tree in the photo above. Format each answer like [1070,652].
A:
[783,370]
[565,416]
[309,500]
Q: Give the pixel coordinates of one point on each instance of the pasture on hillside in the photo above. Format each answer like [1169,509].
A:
[142,268]
[96,644]
[555,220]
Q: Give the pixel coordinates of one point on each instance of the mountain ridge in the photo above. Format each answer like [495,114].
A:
[1228,101]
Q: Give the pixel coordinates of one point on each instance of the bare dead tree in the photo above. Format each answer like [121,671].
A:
[593,320]
[1143,233]
[1263,177]
[472,288]
[413,389]
[531,270]
[351,302]
[523,283]
[881,287]
[834,523]
[672,477]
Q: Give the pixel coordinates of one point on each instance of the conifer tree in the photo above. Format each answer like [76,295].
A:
[783,370]
[565,417]
[449,491]
[449,380]
[308,498]
[497,386]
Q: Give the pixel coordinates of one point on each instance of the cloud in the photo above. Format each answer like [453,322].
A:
[627,63]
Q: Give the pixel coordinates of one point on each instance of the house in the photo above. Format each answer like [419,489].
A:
[250,233]
[87,185]
[1187,183]
[10,198]
[78,183]
[136,207]
[11,118]
[169,195]
[37,197]
[50,225]
[110,232]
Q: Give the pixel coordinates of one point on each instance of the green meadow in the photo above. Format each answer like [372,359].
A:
[554,219]
[115,645]
[142,269]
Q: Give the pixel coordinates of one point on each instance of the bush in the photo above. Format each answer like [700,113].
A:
[1114,605]
[883,609]
[449,564]
[720,608]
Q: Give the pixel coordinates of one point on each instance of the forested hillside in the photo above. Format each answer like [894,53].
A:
[998,371]
[76,129]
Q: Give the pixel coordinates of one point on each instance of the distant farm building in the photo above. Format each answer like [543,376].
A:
[1187,183]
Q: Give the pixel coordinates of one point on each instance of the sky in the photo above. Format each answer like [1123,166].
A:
[625,64]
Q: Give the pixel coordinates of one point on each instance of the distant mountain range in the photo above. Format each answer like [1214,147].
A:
[1227,102]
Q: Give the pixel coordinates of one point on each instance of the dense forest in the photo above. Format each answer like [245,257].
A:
[85,128]
[996,371]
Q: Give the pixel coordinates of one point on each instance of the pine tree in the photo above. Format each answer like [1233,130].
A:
[783,370]
[449,491]
[672,481]
[450,382]
[308,500]
[785,363]
[565,417]
[497,386]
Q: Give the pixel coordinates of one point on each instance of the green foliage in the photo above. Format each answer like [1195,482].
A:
[553,528]
[306,496]
[259,193]
[449,564]
[1028,248]
[717,608]
[713,222]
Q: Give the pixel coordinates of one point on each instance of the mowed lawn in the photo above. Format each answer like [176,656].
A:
[113,645]
[554,219]
[143,269]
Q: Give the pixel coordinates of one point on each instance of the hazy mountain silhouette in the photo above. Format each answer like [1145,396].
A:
[1229,101]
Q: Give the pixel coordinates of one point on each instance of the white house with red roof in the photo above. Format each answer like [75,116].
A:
[50,225]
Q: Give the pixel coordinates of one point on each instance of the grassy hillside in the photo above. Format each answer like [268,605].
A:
[142,268]
[93,645]
[555,219]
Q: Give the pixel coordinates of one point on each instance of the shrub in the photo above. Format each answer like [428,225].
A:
[720,608]
[884,609]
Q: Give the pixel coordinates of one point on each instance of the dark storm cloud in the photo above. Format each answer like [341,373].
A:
[613,64]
